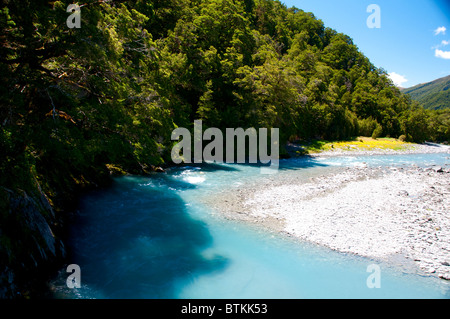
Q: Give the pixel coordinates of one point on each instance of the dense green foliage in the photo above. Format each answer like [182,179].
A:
[111,92]
[433,95]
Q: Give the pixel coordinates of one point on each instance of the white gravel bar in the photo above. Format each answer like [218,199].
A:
[380,213]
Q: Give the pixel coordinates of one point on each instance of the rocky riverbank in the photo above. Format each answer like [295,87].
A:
[368,147]
[396,213]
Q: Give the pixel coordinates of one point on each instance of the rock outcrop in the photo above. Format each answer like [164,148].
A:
[28,245]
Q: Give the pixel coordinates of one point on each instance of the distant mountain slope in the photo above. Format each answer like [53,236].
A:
[432,95]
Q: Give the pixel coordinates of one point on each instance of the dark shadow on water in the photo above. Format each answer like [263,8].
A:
[431,144]
[135,241]
[304,161]
[205,166]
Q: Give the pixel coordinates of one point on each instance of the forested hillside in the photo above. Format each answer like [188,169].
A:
[78,103]
[433,95]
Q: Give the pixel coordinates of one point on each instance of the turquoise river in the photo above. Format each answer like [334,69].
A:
[151,237]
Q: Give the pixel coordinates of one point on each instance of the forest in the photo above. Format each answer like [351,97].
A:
[79,103]
[432,95]
[112,91]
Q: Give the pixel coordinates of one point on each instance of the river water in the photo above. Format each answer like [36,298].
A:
[151,237]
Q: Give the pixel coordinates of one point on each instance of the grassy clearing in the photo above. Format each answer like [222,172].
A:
[357,144]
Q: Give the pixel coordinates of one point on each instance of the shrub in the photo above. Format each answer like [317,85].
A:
[402,138]
[377,132]
[367,126]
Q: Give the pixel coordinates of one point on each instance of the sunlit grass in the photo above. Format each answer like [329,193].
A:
[358,144]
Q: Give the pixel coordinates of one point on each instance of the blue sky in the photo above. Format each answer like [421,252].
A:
[412,43]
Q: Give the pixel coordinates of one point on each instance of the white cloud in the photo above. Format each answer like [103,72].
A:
[442,54]
[397,79]
[440,30]
[440,45]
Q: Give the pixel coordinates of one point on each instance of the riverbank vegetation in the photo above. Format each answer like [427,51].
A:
[356,144]
[76,102]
